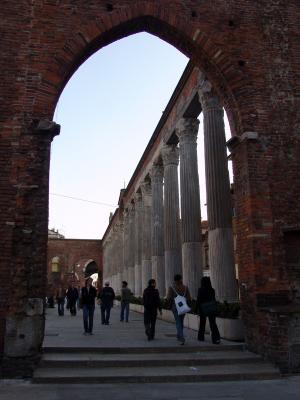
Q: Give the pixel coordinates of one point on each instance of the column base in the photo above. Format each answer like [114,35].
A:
[158,273]
[146,273]
[172,266]
[138,280]
[192,266]
[221,264]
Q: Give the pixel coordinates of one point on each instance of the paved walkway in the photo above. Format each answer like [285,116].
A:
[67,331]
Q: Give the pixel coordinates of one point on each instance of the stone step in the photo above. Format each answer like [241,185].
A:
[87,359]
[206,373]
[143,349]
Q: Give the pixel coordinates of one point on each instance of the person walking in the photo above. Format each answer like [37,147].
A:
[178,289]
[88,295]
[106,296]
[60,299]
[206,306]
[72,296]
[125,301]
[151,302]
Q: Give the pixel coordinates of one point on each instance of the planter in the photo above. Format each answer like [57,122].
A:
[231,329]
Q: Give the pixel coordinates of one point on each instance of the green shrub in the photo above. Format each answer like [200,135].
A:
[225,309]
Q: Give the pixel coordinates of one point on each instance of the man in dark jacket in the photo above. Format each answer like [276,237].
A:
[88,295]
[72,297]
[106,296]
[151,303]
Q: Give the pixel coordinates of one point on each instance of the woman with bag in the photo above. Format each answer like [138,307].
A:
[179,299]
[207,307]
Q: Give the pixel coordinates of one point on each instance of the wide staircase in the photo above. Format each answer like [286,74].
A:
[120,353]
[151,364]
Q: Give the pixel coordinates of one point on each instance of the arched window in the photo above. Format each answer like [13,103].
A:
[55,264]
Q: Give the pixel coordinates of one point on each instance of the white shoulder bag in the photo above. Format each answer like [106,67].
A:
[181,304]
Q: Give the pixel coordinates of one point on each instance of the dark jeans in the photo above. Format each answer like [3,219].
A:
[149,322]
[72,306]
[124,310]
[179,323]
[105,313]
[88,317]
[60,307]
[215,334]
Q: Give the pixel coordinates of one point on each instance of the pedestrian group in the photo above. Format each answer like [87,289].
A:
[178,300]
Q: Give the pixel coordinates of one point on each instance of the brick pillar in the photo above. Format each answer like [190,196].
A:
[24,325]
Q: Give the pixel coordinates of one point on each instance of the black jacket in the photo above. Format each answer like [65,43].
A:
[107,296]
[88,296]
[72,295]
[151,299]
[204,296]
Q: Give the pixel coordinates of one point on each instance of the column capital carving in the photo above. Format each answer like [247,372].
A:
[146,193]
[125,214]
[170,155]
[157,173]
[187,130]
[207,97]
[137,198]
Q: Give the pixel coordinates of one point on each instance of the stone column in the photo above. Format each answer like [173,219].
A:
[131,248]
[126,245]
[157,228]
[219,208]
[187,131]
[170,156]
[146,234]
[138,244]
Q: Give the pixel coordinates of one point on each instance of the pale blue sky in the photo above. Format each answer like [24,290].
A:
[108,112]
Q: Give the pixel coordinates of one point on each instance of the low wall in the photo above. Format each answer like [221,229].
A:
[230,329]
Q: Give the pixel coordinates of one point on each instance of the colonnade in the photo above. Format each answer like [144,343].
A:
[158,234]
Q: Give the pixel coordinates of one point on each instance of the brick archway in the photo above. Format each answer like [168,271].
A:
[236,45]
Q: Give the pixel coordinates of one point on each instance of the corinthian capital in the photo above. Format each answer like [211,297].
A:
[170,155]
[187,130]
[146,193]
[207,97]
[156,173]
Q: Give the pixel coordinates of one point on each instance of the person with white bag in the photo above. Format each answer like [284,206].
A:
[179,300]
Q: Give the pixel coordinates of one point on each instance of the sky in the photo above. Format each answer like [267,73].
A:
[108,112]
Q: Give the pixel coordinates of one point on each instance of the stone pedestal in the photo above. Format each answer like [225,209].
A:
[219,206]
[157,229]
[187,131]
[170,156]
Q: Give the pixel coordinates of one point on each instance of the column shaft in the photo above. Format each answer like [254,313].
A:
[131,246]
[157,228]
[138,244]
[146,235]
[219,208]
[187,130]
[172,240]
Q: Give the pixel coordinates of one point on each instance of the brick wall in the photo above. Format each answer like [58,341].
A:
[249,51]
[74,255]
